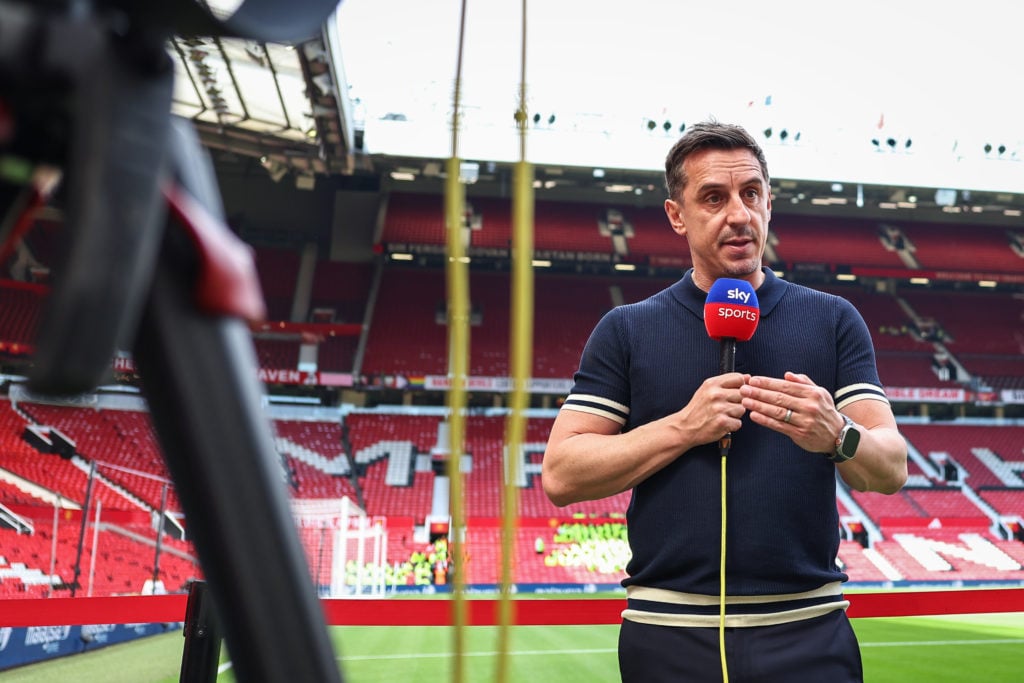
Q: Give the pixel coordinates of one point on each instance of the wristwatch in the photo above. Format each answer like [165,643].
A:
[846,442]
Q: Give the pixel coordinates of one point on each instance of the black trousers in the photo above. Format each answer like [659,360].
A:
[822,649]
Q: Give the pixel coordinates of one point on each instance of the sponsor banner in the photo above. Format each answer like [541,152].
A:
[34,643]
[573,256]
[967,276]
[124,365]
[499,384]
[1012,395]
[927,394]
[25,645]
[561,387]
[668,261]
[497,252]
[286,376]
[550,386]
[954,395]
[945,275]
[336,379]
[303,377]
[444,383]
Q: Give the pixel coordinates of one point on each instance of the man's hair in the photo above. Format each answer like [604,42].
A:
[707,135]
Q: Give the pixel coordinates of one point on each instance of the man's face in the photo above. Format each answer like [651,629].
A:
[724,214]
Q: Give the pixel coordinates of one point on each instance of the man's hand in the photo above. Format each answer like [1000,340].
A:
[794,406]
[716,408]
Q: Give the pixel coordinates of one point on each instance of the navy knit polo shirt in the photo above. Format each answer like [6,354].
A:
[645,360]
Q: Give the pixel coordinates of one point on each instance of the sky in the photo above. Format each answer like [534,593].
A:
[943,75]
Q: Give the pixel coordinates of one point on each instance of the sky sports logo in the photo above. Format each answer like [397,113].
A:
[731,310]
[738,293]
[738,312]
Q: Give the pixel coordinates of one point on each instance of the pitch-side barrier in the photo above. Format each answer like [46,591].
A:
[36,630]
[481,611]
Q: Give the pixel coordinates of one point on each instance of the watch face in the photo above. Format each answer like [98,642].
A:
[851,439]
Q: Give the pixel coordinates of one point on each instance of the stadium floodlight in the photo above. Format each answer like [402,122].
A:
[469,172]
[945,197]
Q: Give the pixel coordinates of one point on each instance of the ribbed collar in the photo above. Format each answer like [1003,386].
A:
[693,297]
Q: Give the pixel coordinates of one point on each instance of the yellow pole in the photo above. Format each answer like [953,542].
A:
[457,271]
[521,356]
[458,355]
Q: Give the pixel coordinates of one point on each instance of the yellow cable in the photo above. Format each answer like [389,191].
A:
[521,360]
[721,590]
[457,272]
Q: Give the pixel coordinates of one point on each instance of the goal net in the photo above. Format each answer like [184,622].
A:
[346,548]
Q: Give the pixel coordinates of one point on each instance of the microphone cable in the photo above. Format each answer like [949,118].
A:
[723,448]
[726,363]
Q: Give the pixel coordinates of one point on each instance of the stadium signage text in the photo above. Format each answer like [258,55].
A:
[42,635]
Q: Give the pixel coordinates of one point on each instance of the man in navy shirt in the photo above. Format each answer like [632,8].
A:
[649,406]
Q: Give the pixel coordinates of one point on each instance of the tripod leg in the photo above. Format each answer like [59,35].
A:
[199,658]
[198,373]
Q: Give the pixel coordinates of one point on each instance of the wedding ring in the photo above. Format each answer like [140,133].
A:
[789,414]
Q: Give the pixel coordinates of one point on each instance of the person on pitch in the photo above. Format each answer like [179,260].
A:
[650,409]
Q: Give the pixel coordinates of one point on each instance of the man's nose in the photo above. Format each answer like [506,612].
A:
[738,212]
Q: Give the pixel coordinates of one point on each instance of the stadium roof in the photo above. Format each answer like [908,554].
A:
[897,105]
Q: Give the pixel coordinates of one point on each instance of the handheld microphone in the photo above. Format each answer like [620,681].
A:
[731,314]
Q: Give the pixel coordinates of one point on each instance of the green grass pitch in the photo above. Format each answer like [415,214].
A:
[951,649]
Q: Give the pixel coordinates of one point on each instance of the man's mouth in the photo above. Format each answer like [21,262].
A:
[738,242]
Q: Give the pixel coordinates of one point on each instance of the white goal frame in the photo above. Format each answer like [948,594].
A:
[356,542]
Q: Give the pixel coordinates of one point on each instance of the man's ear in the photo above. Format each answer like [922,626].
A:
[675,216]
